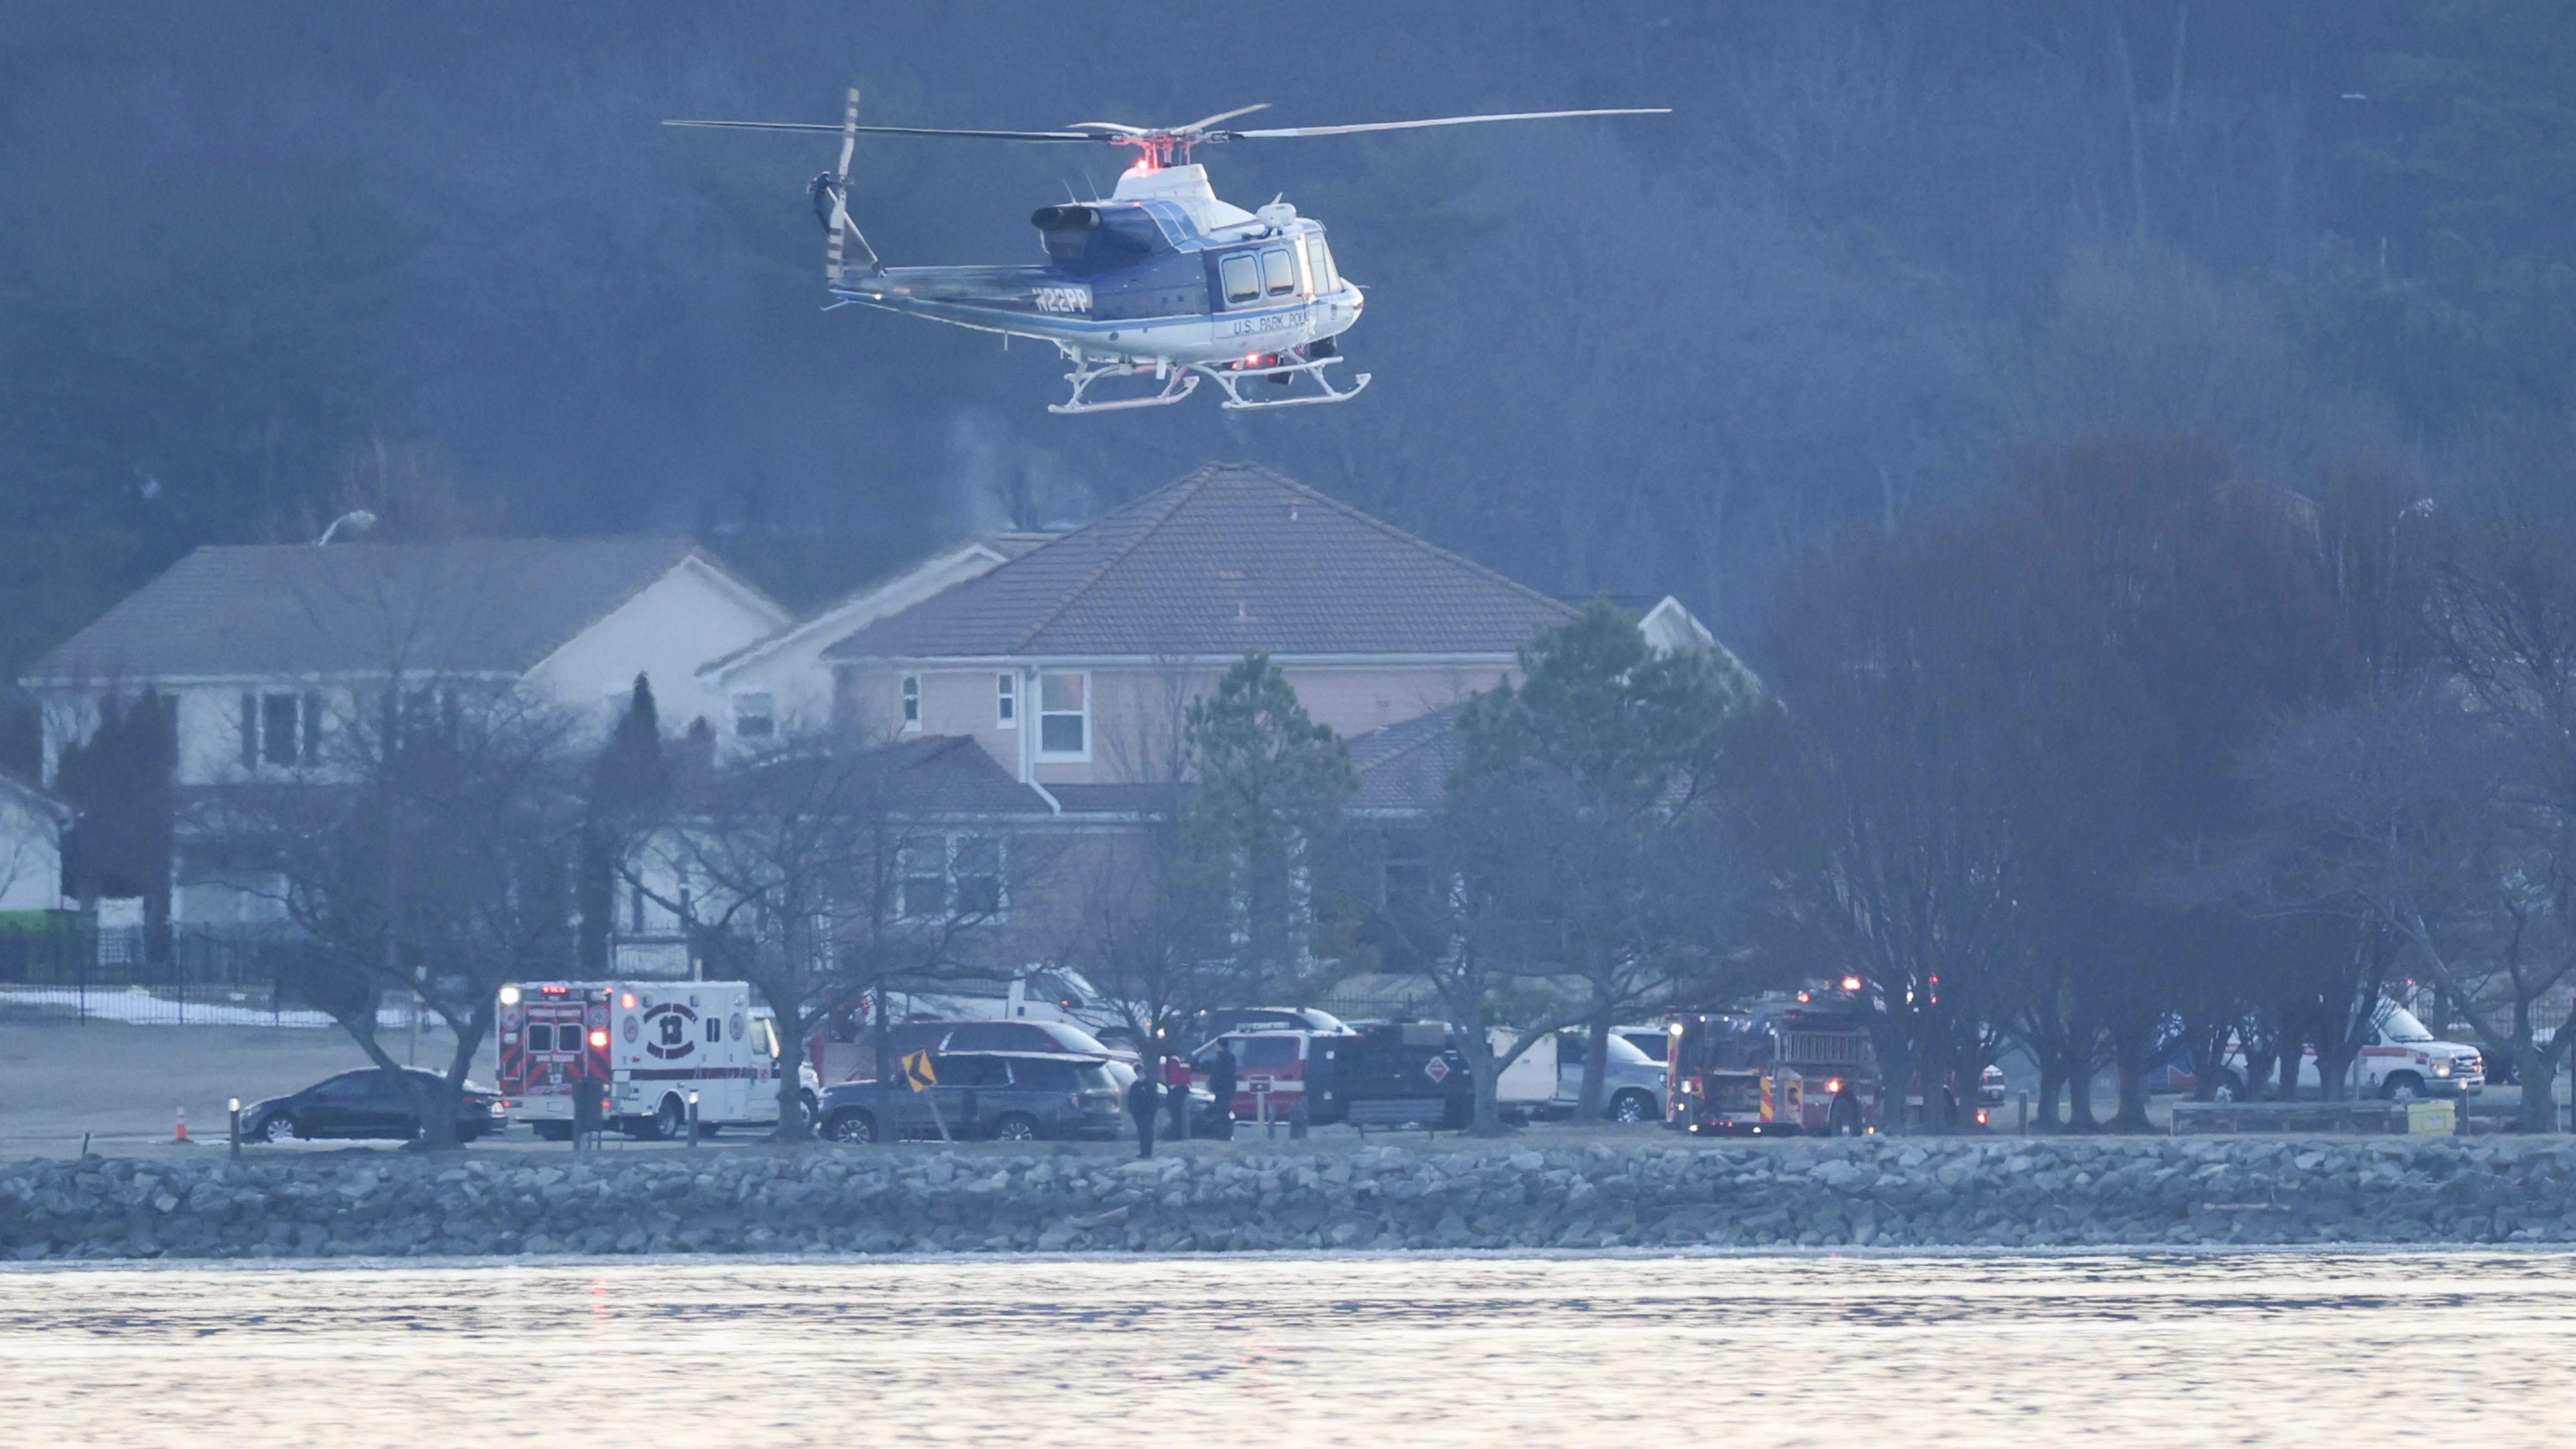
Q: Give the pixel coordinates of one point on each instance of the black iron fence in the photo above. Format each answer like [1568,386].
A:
[69,969]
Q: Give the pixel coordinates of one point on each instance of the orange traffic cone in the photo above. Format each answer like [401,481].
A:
[182,1134]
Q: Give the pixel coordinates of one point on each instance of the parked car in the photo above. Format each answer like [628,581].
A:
[1026,1036]
[1632,1083]
[1651,1039]
[984,1036]
[2400,1060]
[364,1103]
[1007,1096]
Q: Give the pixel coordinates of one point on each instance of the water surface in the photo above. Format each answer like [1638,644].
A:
[2465,1348]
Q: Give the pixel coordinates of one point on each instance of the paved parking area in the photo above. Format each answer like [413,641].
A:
[122,1086]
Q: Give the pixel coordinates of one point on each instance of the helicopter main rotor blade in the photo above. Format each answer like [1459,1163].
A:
[1283,131]
[842,226]
[1203,122]
[1122,130]
[801,128]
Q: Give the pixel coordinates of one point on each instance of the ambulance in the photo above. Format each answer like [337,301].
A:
[644,1047]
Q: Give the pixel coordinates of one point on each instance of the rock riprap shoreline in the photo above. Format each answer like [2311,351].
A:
[1870,1193]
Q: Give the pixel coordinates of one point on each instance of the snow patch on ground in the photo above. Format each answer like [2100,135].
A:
[139,1007]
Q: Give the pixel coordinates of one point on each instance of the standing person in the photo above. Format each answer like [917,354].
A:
[1176,1089]
[1142,1102]
[1221,1087]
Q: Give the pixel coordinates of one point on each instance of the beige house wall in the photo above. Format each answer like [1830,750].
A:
[1138,708]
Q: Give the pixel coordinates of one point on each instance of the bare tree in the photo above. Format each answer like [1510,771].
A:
[827,871]
[1455,916]
[429,858]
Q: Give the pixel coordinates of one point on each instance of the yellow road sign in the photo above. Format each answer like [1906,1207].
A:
[917,1072]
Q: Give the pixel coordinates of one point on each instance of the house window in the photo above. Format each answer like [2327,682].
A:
[755,716]
[912,701]
[921,871]
[281,730]
[975,865]
[1064,716]
[1006,709]
[960,874]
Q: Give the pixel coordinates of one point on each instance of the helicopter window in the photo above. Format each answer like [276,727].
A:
[1280,271]
[1319,262]
[1242,278]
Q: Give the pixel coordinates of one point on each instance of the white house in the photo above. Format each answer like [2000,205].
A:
[31,846]
[263,651]
[261,648]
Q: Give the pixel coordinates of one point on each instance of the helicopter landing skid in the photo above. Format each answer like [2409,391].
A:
[1231,379]
[1179,383]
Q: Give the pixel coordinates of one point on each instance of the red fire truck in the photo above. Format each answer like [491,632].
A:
[643,1048]
[1777,1067]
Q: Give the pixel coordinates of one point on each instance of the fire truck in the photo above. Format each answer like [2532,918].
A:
[642,1048]
[1774,1068]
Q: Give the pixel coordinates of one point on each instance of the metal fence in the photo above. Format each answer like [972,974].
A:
[69,970]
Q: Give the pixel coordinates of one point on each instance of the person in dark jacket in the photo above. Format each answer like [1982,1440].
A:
[1221,1087]
[1144,1099]
[1176,1094]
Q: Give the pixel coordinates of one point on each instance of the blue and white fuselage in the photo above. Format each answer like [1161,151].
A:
[1162,277]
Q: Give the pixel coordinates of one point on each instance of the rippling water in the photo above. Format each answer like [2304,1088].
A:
[2465,1348]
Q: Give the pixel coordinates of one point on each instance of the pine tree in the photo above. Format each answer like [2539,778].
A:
[1271,785]
[628,786]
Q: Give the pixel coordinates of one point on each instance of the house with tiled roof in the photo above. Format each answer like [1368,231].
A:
[1072,664]
[779,687]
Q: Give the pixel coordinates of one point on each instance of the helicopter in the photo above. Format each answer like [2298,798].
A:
[1158,278]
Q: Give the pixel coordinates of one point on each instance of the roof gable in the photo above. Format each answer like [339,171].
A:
[879,597]
[1230,559]
[488,606]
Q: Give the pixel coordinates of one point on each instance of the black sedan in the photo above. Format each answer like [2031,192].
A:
[364,1103]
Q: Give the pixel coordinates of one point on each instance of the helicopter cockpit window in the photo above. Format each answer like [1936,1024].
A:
[1319,262]
[1280,270]
[1242,278]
